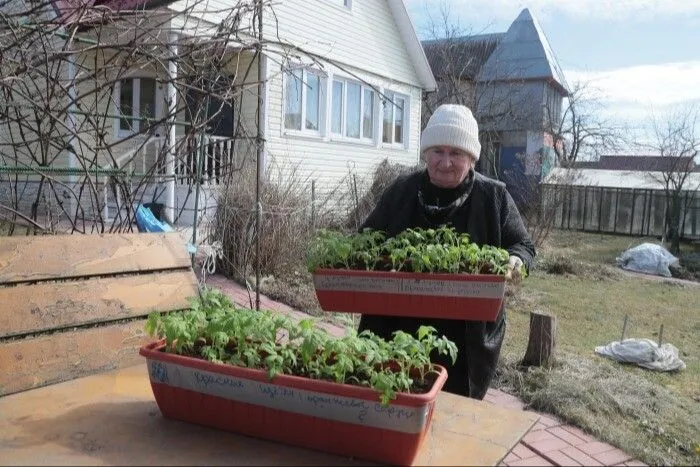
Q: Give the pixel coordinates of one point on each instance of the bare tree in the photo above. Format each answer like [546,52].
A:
[676,140]
[580,129]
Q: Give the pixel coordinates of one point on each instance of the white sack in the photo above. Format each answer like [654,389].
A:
[648,258]
[645,353]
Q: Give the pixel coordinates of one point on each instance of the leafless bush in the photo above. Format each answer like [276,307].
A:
[384,175]
[286,220]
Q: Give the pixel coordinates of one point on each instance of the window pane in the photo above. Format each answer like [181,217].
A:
[388,123]
[337,110]
[398,121]
[352,117]
[292,115]
[147,101]
[368,115]
[312,89]
[126,96]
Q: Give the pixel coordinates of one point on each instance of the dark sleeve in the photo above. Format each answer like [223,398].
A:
[514,236]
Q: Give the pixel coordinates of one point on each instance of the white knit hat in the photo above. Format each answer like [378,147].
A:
[452,125]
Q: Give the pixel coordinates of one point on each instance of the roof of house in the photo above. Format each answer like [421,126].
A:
[647,163]
[524,53]
[69,11]
[461,57]
[413,45]
[615,179]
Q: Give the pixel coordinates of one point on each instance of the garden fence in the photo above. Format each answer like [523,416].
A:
[621,211]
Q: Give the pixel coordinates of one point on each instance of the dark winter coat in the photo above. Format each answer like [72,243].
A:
[484,209]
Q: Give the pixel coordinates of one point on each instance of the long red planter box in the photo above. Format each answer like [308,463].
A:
[474,297]
[336,418]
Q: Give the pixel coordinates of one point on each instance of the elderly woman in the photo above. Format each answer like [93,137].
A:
[450,192]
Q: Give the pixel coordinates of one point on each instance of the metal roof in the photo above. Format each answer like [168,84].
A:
[460,57]
[616,179]
[523,53]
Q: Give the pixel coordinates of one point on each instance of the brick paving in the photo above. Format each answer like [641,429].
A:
[549,442]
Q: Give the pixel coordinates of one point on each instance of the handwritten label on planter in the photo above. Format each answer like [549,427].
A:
[410,286]
[316,404]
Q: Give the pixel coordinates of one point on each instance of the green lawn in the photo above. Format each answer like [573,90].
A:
[654,416]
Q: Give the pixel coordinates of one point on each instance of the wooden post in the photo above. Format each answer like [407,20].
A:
[542,341]
[661,334]
[600,210]
[624,328]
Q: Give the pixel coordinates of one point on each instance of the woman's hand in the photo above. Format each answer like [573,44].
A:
[514,266]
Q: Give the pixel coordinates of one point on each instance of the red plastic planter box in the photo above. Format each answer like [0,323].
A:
[336,418]
[475,297]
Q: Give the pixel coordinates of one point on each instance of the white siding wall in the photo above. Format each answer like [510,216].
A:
[364,36]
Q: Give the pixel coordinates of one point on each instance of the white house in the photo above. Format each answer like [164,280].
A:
[341,82]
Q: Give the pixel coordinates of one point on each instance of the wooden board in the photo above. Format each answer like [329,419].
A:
[49,305]
[112,419]
[34,258]
[37,361]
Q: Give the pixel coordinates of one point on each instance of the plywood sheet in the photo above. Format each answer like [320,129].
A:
[112,419]
[63,256]
[33,362]
[49,305]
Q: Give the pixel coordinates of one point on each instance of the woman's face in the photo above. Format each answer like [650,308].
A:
[448,166]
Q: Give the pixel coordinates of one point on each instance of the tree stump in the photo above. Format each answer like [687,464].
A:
[542,341]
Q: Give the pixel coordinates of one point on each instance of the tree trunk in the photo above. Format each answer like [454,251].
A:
[542,341]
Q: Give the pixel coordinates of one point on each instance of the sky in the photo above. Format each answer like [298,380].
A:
[642,57]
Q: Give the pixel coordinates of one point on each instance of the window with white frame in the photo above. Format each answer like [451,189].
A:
[304,101]
[352,110]
[394,119]
[138,100]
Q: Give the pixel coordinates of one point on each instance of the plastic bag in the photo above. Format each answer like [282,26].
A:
[648,258]
[147,222]
[645,353]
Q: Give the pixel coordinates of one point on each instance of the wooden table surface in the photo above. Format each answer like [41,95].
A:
[112,419]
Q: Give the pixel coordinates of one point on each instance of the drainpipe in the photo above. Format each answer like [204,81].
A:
[170,208]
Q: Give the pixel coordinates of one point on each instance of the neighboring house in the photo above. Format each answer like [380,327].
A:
[515,87]
[342,82]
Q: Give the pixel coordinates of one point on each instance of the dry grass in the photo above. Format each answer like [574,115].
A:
[621,407]
[653,416]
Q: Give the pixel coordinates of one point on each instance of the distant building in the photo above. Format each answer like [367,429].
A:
[641,163]
[515,87]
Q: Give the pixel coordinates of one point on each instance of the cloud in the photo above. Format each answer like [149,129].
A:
[635,96]
[613,10]
[657,85]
